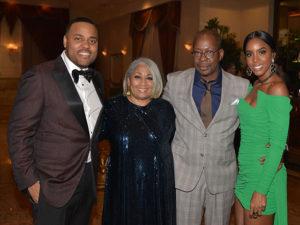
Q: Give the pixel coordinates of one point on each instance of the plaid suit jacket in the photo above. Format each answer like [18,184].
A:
[197,149]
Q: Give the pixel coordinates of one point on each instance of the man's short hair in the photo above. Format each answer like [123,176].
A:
[212,32]
[79,19]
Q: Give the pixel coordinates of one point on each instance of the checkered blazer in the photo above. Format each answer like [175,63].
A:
[196,148]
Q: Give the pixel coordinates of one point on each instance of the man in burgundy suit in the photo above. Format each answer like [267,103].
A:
[54,127]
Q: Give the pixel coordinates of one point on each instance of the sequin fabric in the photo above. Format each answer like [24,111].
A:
[140,187]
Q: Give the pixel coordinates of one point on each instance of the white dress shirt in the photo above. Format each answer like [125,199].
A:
[88,95]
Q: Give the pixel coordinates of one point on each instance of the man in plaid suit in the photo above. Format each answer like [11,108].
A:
[204,156]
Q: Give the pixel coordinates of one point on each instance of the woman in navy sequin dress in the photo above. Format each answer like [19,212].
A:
[140,187]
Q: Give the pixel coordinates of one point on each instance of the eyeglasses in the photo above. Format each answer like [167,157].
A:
[208,54]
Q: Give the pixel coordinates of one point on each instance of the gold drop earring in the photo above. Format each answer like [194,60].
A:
[128,91]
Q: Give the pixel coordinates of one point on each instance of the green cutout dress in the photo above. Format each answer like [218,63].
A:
[268,122]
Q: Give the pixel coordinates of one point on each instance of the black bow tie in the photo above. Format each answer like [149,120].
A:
[88,74]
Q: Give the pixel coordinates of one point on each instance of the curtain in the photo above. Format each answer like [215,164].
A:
[152,39]
[45,25]
[166,18]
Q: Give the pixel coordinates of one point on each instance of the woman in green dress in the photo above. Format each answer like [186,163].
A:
[261,195]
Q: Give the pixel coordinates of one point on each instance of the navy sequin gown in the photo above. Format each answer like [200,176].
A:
[140,187]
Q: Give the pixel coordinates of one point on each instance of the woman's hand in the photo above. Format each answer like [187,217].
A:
[257,204]
[262,159]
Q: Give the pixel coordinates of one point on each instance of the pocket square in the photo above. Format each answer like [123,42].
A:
[235,102]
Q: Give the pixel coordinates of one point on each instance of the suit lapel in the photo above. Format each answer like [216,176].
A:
[224,95]
[98,84]
[69,92]
[193,113]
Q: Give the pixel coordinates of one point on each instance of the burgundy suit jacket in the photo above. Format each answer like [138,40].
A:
[48,134]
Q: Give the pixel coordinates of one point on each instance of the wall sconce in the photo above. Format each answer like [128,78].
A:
[104,52]
[124,51]
[45,8]
[188,46]
[12,47]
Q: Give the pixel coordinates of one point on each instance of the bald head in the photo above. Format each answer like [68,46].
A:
[211,32]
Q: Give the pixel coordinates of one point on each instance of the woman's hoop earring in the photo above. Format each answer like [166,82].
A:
[249,71]
[273,68]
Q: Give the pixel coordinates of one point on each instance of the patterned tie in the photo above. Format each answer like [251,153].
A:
[88,74]
[206,108]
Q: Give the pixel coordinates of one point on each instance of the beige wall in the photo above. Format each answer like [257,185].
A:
[227,14]
[255,19]
[242,16]
[113,37]
[189,25]
[226,17]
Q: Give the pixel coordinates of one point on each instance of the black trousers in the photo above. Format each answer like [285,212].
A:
[76,212]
